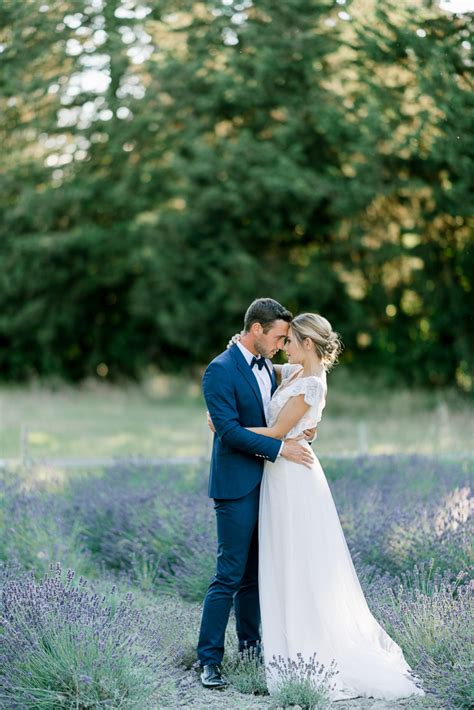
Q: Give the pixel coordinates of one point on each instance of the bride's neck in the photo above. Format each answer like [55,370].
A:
[312,366]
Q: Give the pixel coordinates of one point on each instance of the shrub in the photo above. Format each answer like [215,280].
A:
[33,532]
[407,524]
[164,538]
[304,683]
[397,511]
[431,617]
[246,672]
[62,646]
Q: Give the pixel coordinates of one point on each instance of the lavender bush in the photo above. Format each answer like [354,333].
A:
[406,519]
[397,511]
[304,683]
[432,618]
[33,532]
[162,536]
[246,672]
[62,646]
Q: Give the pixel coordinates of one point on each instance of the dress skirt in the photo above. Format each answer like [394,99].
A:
[311,600]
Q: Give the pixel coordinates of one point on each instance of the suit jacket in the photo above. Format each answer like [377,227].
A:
[234,402]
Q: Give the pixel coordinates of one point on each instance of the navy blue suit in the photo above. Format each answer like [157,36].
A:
[234,402]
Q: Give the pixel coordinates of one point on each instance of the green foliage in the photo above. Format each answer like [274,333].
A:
[432,620]
[246,672]
[232,151]
[415,239]
[305,683]
[31,534]
[65,647]
[428,613]
[300,694]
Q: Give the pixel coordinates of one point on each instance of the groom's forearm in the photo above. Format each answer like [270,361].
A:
[238,437]
[262,431]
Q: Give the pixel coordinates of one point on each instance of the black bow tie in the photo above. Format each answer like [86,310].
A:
[259,362]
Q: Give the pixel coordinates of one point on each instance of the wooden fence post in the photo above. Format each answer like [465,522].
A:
[24,453]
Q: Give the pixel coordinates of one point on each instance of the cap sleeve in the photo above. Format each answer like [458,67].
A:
[311,387]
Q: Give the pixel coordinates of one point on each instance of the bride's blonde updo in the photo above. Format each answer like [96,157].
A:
[326,341]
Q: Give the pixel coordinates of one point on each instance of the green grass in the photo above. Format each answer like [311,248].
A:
[160,417]
[165,417]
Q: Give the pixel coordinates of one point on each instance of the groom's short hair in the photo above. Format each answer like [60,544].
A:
[265,311]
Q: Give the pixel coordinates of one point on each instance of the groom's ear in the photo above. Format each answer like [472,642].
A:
[256,328]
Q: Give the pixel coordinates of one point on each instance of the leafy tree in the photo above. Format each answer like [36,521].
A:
[415,238]
[165,163]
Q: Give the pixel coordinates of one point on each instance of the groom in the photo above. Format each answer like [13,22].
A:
[238,385]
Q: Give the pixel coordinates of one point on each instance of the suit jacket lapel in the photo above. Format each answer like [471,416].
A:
[274,379]
[244,368]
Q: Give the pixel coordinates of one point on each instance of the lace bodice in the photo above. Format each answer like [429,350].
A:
[314,390]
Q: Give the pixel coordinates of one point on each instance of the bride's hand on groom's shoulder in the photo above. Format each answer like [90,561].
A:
[235,339]
[293,451]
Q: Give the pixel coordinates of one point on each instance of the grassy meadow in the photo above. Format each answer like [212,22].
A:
[103,568]
[102,576]
[164,417]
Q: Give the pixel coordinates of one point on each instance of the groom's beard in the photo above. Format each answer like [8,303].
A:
[263,352]
[267,346]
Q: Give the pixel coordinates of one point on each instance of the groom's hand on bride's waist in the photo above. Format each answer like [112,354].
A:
[293,451]
[310,434]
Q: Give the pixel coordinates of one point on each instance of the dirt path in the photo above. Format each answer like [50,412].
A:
[193,695]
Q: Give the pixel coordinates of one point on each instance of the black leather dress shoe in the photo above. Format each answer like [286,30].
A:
[211,677]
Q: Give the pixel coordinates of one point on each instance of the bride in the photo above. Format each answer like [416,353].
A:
[311,600]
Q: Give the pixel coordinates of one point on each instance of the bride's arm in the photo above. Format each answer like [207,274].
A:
[289,416]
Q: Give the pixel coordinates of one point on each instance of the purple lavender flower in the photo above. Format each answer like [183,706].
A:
[59,641]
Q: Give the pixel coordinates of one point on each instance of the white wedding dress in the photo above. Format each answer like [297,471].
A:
[311,600]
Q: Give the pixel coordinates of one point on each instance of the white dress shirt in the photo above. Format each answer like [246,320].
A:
[262,376]
[263,380]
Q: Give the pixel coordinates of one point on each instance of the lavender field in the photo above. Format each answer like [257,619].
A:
[102,575]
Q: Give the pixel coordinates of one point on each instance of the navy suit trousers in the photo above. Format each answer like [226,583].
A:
[235,580]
